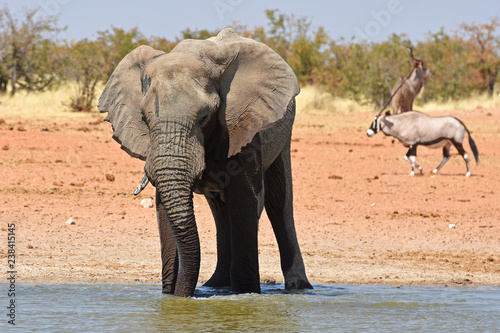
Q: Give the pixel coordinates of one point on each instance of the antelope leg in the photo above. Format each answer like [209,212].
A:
[411,157]
[466,158]
[462,152]
[446,157]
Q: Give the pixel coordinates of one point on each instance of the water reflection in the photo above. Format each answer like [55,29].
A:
[218,310]
[142,308]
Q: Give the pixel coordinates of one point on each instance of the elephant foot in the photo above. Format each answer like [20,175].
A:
[297,283]
[168,289]
[246,288]
[218,281]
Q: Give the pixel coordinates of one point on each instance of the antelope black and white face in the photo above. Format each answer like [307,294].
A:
[374,127]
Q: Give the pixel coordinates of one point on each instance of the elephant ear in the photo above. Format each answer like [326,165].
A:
[256,86]
[121,99]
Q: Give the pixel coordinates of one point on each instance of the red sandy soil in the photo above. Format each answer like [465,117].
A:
[360,217]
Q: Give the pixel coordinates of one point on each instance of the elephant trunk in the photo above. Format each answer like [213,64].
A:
[179,210]
[178,161]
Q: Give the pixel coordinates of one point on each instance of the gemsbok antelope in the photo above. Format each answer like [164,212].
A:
[414,128]
[407,89]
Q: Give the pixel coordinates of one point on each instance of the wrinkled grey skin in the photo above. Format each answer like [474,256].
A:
[212,117]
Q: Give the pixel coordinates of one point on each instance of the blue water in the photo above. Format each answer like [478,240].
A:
[327,308]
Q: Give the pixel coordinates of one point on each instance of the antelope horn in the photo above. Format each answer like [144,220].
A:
[410,50]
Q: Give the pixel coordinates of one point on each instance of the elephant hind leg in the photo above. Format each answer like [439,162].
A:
[279,208]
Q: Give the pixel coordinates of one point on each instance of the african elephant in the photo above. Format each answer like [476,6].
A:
[213,117]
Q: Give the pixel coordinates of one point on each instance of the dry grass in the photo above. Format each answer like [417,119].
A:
[313,100]
[478,101]
[39,106]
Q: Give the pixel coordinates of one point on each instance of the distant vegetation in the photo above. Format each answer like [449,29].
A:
[466,61]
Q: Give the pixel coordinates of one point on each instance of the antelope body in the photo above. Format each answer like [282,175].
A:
[414,128]
[407,89]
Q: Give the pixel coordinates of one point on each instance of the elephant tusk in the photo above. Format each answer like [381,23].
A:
[142,185]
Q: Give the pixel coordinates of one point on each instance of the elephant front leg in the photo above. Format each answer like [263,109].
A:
[169,255]
[244,215]
[244,197]
[222,274]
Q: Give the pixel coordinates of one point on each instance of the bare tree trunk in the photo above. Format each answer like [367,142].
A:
[13,82]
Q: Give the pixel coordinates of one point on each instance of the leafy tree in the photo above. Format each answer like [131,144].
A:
[117,43]
[446,56]
[26,51]
[485,46]
[387,63]
[278,37]
[89,62]
[294,41]
[466,61]
[307,57]
[162,44]
[198,34]
[4,76]
[351,63]
[85,63]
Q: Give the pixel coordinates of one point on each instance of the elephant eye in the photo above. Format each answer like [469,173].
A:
[203,119]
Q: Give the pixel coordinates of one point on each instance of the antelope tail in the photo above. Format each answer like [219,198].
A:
[473,147]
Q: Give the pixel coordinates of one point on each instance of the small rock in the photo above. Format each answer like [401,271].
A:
[70,221]
[147,203]
[452,226]
[110,177]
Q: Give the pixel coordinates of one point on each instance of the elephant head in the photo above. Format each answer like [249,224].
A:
[204,100]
